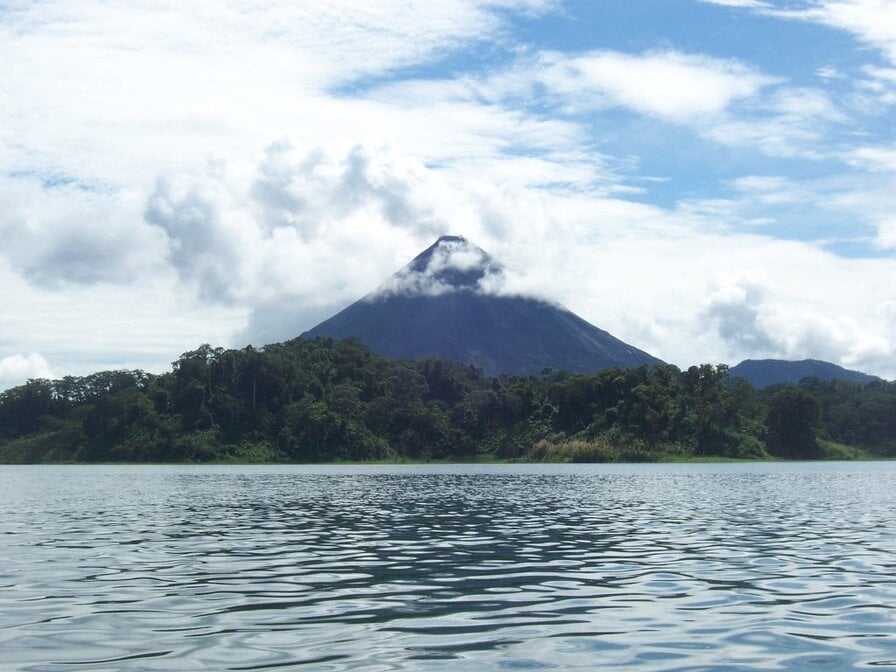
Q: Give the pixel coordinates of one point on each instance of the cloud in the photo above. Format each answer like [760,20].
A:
[670,85]
[86,327]
[871,21]
[723,101]
[878,89]
[738,3]
[298,223]
[876,159]
[789,122]
[19,368]
[109,93]
[770,190]
[734,310]
[886,234]
[844,341]
[335,42]
[71,233]
[205,243]
[139,208]
[453,264]
[806,104]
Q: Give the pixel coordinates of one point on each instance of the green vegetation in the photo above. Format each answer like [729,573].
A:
[321,400]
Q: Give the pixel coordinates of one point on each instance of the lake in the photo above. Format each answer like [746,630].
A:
[755,566]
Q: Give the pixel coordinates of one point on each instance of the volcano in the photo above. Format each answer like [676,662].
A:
[447,303]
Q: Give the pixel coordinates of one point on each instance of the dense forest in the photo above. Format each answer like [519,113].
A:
[322,400]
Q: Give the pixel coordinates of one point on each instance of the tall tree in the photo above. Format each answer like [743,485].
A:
[793,416]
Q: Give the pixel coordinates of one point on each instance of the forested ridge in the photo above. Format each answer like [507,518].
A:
[325,400]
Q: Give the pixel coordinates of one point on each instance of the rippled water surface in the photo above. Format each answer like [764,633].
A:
[519,567]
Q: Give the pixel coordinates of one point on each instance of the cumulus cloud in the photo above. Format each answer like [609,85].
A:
[317,227]
[18,368]
[207,241]
[761,319]
[735,311]
[844,340]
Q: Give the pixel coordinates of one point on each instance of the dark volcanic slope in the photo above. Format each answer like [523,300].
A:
[764,372]
[497,334]
[434,308]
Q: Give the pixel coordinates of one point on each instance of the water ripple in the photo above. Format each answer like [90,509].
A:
[524,567]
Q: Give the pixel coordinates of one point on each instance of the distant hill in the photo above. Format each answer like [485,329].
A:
[764,372]
[444,304]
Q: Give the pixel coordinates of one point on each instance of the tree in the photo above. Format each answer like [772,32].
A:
[793,418]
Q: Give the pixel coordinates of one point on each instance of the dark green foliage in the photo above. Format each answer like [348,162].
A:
[793,417]
[322,400]
[857,415]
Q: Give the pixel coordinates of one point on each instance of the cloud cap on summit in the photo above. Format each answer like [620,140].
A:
[448,303]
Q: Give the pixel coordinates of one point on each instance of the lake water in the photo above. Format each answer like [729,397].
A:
[504,567]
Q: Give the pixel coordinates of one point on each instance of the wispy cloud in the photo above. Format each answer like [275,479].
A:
[670,85]
[874,158]
[871,21]
[738,3]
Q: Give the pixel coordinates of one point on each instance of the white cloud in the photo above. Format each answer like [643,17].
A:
[738,3]
[111,206]
[874,158]
[724,101]
[886,234]
[790,122]
[73,233]
[317,226]
[881,74]
[452,264]
[18,368]
[336,41]
[769,189]
[734,310]
[92,327]
[319,229]
[112,91]
[871,21]
[670,85]
[805,104]
[829,72]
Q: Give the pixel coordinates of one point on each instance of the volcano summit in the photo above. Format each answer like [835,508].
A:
[445,303]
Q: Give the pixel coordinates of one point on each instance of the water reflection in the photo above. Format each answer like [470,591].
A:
[680,567]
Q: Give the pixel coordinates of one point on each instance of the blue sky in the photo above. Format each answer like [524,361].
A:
[710,180]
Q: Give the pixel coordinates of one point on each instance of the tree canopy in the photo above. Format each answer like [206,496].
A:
[325,400]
